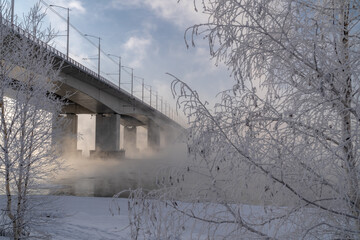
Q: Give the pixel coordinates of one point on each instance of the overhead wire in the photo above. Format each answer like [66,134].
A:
[76,29]
[79,32]
[91,42]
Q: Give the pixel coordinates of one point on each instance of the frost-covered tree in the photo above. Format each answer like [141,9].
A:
[286,136]
[28,79]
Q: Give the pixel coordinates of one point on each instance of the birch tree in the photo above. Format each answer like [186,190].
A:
[29,76]
[285,137]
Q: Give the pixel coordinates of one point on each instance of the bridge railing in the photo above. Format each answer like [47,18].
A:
[73,62]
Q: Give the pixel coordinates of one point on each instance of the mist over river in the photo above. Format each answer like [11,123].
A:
[87,176]
[145,168]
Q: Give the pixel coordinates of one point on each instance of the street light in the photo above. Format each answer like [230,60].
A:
[157,100]
[142,87]
[12,12]
[67,28]
[142,91]
[161,109]
[88,35]
[132,79]
[150,95]
[119,67]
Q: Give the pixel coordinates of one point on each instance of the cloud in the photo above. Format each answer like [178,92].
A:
[58,22]
[136,50]
[181,13]
[77,5]
[57,16]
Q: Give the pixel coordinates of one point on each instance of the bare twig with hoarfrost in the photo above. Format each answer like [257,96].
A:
[278,156]
[28,104]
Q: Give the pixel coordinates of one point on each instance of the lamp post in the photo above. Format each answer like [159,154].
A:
[12,11]
[119,67]
[157,100]
[132,79]
[142,91]
[67,28]
[88,35]
[142,87]
[150,95]
[161,109]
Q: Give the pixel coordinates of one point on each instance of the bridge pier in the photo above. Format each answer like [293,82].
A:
[107,136]
[66,142]
[71,131]
[169,136]
[153,136]
[130,138]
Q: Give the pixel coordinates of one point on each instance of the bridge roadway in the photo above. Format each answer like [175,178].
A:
[89,93]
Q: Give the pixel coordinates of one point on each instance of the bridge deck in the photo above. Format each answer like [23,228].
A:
[93,94]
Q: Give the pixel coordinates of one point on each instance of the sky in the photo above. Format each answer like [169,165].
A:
[147,34]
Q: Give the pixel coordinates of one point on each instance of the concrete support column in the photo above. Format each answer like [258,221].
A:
[107,134]
[165,138]
[130,138]
[65,133]
[71,131]
[170,135]
[153,135]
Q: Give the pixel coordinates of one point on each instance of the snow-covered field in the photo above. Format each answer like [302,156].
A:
[100,218]
[88,218]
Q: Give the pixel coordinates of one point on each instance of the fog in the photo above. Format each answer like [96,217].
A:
[86,176]
[144,168]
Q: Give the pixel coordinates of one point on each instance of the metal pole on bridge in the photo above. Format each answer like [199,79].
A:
[150,95]
[161,105]
[157,100]
[99,59]
[68,34]
[119,72]
[12,11]
[67,29]
[142,91]
[132,81]
[88,35]
[119,57]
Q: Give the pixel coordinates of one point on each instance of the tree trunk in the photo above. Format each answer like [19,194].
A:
[346,126]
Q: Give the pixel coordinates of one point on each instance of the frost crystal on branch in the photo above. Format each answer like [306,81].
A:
[28,81]
[286,136]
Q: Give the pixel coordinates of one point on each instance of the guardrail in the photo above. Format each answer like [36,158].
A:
[73,62]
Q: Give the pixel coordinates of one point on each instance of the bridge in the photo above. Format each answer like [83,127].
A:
[89,93]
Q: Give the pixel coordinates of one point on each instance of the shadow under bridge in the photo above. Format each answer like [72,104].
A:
[90,94]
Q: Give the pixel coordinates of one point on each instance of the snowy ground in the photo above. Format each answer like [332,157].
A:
[84,218]
[90,218]
[100,218]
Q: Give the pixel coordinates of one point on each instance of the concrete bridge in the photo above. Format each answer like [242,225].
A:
[112,106]
[93,94]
